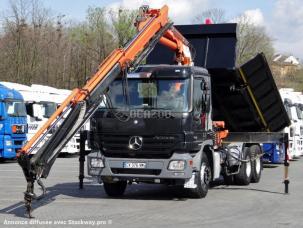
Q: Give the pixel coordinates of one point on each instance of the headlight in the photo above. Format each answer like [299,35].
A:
[8,143]
[176,165]
[96,163]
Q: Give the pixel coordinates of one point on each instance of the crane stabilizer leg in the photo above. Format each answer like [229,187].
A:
[81,105]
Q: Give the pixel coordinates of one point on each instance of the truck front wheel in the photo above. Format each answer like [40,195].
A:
[202,179]
[115,189]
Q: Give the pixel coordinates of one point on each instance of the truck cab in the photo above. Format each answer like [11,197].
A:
[39,109]
[157,130]
[13,126]
[52,98]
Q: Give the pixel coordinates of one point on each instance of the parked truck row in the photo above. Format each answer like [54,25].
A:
[30,107]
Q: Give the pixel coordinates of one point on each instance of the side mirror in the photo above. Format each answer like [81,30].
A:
[37,111]
[205,102]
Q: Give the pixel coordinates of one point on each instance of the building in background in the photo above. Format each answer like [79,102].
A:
[284,66]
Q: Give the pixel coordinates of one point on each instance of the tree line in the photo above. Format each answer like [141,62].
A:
[38,47]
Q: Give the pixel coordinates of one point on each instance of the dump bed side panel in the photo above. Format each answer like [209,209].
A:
[264,93]
[247,98]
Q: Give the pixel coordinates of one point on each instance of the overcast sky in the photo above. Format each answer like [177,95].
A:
[283,19]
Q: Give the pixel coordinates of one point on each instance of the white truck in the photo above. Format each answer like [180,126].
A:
[294,130]
[298,102]
[58,96]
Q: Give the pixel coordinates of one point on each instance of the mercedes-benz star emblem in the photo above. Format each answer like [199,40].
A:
[135,143]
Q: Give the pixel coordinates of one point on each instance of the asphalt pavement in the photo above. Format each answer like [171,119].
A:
[258,205]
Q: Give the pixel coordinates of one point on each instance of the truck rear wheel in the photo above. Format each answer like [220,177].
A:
[256,164]
[202,179]
[115,189]
[245,173]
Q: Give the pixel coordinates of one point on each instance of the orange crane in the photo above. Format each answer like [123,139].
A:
[153,26]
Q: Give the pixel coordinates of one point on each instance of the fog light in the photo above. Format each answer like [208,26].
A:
[8,143]
[96,163]
[177,165]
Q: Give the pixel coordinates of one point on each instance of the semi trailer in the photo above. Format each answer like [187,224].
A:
[174,124]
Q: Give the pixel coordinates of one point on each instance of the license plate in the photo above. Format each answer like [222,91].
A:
[134,165]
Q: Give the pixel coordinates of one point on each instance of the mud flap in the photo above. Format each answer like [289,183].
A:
[191,182]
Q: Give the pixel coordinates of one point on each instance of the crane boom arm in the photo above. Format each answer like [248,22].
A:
[153,26]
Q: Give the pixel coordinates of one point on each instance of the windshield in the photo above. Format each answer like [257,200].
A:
[15,108]
[168,94]
[48,108]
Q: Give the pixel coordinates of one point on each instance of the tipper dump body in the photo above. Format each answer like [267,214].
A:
[245,97]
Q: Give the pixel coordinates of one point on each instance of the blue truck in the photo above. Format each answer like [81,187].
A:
[273,153]
[13,122]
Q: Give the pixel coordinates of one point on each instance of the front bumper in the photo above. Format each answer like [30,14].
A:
[155,168]
[10,151]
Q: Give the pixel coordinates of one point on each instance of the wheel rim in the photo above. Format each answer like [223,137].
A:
[204,174]
[258,165]
[248,169]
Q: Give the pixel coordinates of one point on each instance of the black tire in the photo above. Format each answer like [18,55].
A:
[202,182]
[245,173]
[257,164]
[115,189]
